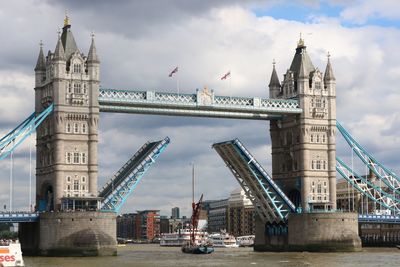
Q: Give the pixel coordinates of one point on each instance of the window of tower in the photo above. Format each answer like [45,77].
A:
[76,158]
[312,138]
[83,179]
[76,185]
[317,85]
[83,128]
[318,164]
[323,138]
[83,158]
[313,165]
[83,187]
[69,88]
[76,128]
[69,158]
[77,88]
[68,179]
[318,103]
[324,167]
[317,138]
[84,88]
[319,188]
[68,187]
[77,68]
[68,128]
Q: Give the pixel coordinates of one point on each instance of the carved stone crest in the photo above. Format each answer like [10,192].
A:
[206,96]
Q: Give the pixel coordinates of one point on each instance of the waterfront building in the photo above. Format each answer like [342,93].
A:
[164,224]
[350,199]
[241,214]
[175,213]
[148,224]
[126,226]
[217,215]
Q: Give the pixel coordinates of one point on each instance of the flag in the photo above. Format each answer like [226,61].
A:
[226,75]
[174,71]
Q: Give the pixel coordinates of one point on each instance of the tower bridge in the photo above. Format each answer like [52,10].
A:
[296,205]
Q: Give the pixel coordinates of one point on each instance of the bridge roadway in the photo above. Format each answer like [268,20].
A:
[25,216]
[201,104]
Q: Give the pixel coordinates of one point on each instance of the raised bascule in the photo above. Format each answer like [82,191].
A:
[296,205]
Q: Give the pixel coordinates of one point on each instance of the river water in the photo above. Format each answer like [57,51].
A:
[154,255]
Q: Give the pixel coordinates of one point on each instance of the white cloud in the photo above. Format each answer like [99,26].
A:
[363,10]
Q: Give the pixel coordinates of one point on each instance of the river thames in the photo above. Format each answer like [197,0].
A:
[154,255]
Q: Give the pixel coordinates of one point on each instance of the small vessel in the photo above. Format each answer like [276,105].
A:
[223,240]
[178,239]
[191,246]
[10,254]
[245,241]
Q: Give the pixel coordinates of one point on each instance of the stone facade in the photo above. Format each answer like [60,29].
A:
[66,153]
[304,146]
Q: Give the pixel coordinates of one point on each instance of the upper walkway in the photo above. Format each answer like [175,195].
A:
[201,104]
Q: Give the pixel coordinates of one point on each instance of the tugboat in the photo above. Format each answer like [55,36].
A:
[191,247]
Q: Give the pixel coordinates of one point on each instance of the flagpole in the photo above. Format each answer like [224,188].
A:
[230,84]
[177,81]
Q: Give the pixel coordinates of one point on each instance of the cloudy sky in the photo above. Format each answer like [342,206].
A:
[140,42]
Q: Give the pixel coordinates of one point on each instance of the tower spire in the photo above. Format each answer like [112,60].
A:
[92,55]
[40,64]
[59,53]
[328,71]
[274,81]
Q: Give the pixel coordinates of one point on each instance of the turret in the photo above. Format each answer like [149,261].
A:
[93,61]
[40,69]
[329,78]
[274,84]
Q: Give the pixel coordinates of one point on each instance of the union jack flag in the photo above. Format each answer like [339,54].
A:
[226,75]
[174,71]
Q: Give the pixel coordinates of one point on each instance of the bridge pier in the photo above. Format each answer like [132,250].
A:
[316,232]
[70,234]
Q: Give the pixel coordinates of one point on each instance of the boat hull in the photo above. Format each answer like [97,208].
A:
[197,249]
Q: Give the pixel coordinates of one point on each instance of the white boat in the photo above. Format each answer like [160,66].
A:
[223,239]
[245,241]
[10,254]
[182,237]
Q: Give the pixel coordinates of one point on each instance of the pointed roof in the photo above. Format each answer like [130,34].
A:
[301,61]
[59,51]
[274,82]
[41,62]
[328,71]
[92,55]
[68,40]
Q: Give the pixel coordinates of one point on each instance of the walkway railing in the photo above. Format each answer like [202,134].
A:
[202,104]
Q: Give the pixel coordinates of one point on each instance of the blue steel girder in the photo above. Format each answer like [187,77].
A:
[114,200]
[202,104]
[367,188]
[18,217]
[14,138]
[387,176]
[271,203]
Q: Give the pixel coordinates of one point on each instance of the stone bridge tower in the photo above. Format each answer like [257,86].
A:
[303,146]
[66,155]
